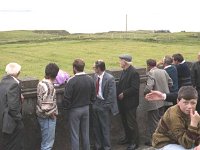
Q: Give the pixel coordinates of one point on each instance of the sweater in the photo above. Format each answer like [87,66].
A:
[79,91]
[184,76]
[46,99]
[172,72]
[174,128]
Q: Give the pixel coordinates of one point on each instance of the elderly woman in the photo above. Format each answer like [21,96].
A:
[11,123]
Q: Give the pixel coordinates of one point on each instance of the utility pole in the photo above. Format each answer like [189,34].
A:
[126,23]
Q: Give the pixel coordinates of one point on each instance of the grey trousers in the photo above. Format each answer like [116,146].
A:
[153,119]
[79,120]
[101,122]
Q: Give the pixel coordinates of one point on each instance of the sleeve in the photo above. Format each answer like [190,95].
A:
[111,91]
[68,94]
[93,94]
[193,75]
[170,82]
[40,94]
[185,136]
[149,84]
[13,98]
[171,97]
[135,84]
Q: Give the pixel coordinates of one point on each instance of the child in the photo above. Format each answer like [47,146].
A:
[179,128]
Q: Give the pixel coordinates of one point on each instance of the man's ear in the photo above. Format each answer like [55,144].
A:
[177,101]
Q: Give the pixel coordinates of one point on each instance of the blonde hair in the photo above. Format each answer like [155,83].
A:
[13,69]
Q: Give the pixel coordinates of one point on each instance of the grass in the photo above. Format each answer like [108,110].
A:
[34,50]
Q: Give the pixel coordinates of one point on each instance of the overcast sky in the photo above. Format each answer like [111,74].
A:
[90,16]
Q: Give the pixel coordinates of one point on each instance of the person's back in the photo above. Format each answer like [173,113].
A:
[11,124]
[173,74]
[184,76]
[79,92]
[162,80]
[83,86]
[179,127]
[157,79]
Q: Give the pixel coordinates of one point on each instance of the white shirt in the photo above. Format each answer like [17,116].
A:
[15,79]
[100,92]
[167,66]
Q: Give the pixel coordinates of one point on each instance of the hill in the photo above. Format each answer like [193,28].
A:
[34,49]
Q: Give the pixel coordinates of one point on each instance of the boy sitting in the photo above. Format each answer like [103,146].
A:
[179,128]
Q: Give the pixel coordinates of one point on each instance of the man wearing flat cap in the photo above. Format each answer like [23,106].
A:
[11,124]
[128,101]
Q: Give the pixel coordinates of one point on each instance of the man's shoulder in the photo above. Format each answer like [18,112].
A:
[108,75]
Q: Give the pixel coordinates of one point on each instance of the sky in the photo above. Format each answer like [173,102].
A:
[92,16]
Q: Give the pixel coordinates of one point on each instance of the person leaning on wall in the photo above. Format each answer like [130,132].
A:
[11,124]
[46,107]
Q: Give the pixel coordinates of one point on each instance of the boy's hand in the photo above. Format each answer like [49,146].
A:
[195,118]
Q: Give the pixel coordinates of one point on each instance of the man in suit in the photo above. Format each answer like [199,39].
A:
[11,124]
[106,102]
[158,79]
[78,94]
[128,101]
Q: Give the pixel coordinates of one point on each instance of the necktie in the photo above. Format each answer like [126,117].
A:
[97,85]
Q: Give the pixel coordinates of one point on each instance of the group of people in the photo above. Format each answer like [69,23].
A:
[81,92]
[171,94]
[173,114]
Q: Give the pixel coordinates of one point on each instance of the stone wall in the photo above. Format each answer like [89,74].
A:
[32,130]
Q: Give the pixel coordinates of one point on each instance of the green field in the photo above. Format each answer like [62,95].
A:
[33,50]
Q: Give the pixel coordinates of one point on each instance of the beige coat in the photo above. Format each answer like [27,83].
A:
[158,79]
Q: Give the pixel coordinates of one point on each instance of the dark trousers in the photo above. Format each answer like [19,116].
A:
[101,122]
[14,141]
[153,119]
[130,125]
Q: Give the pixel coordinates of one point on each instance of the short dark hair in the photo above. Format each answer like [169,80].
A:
[151,62]
[100,64]
[178,57]
[168,60]
[187,93]
[79,65]
[51,71]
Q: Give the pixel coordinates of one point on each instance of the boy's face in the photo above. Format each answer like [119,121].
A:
[187,105]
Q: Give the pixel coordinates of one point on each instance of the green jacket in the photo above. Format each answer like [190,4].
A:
[174,128]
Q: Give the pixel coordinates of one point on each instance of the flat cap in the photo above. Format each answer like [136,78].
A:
[126,57]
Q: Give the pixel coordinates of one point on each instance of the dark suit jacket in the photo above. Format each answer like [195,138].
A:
[10,104]
[171,97]
[129,85]
[109,94]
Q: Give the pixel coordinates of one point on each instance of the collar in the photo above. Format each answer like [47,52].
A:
[46,80]
[101,76]
[15,79]
[182,62]
[153,68]
[80,73]
[167,66]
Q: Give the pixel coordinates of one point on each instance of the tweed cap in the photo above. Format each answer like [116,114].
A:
[126,57]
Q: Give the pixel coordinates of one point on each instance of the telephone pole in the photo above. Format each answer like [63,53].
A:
[126,23]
